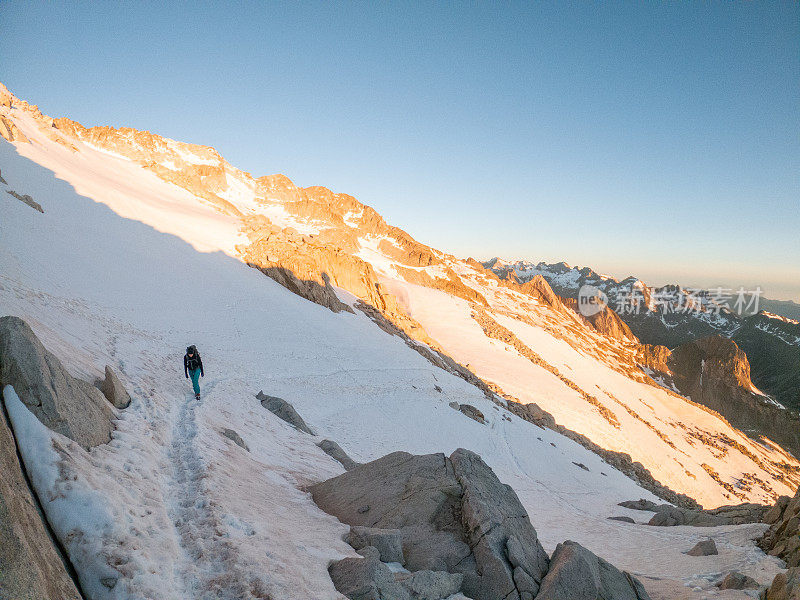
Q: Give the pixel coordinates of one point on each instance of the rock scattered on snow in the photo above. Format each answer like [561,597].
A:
[114,391]
[704,548]
[235,438]
[335,451]
[738,581]
[623,519]
[578,574]
[581,465]
[67,405]
[284,410]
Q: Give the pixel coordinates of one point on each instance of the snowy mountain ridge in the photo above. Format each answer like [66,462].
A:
[143,248]
[524,342]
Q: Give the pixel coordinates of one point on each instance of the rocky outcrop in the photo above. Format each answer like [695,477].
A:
[785,586]
[453,514]
[668,515]
[283,410]
[10,131]
[716,373]
[782,539]
[30,565]
[67,405]
[114,391]
[335,451]
[577,574]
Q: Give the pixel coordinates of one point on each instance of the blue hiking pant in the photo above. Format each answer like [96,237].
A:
[195,375]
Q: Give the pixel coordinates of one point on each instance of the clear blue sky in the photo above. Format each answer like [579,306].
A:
[660,139]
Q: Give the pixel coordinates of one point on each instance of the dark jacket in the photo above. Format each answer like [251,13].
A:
[192,363]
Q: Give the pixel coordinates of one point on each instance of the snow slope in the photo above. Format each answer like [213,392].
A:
[125,269]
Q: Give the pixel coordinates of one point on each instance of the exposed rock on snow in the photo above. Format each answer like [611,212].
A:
[335,451]
[737,581]
[668,515]
[454,515]
[235,438]
[30,565]
[27,200]
[577,574]
[283,409]
[472,412]
[63,403]
[623,519]
[114,391]
[704,548]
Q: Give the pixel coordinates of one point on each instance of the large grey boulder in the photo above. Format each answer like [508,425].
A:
[454,515]
[67,405]
[30,565]
[284,410]
[335,451]
[510,561]
[114,391]
[388,542]
[578,574]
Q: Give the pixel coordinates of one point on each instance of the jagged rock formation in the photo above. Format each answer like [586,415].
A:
[318,243]
[453,515]
[716,373]
[30,565]
[67,405]
[672,316]
[577,574]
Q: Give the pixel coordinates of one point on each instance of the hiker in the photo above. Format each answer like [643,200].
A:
[193,365]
